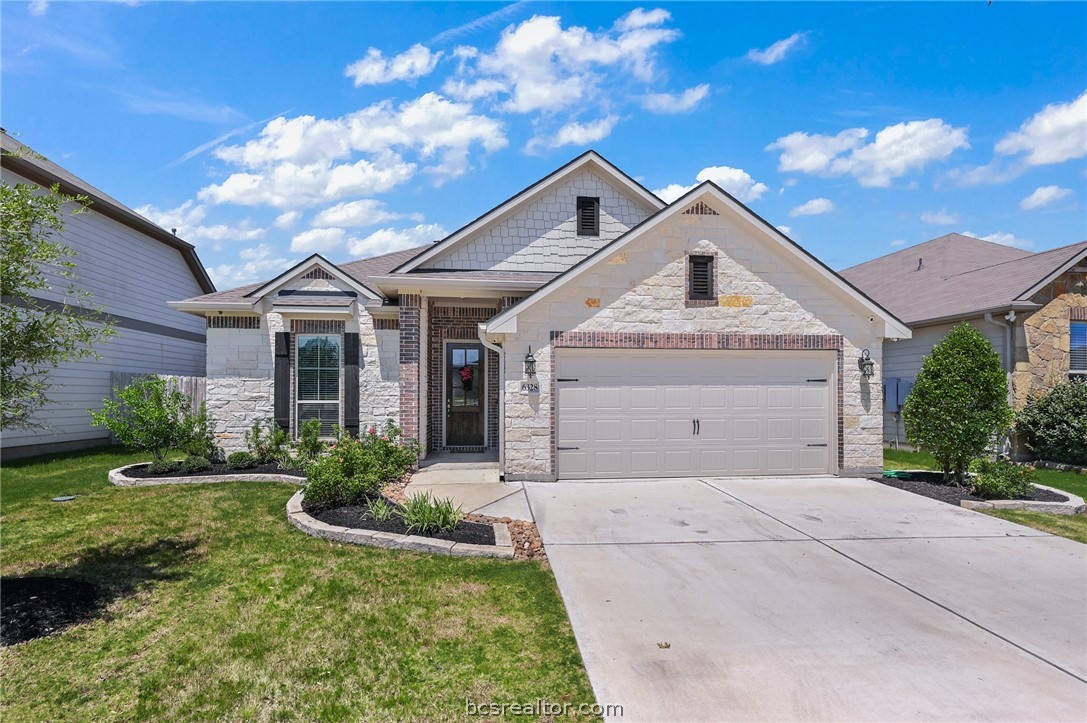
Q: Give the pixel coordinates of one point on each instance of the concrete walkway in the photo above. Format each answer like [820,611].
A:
[814,599]
[471,481]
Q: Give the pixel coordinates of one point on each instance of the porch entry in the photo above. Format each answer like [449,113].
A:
[464,394]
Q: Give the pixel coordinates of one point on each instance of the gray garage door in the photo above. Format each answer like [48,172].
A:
[679,413]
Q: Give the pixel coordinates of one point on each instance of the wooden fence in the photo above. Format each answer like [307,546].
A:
[196,388]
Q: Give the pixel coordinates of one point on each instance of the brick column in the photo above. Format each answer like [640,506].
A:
[410,340]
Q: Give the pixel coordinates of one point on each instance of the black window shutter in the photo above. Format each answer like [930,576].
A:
[701,280]
[351,383]
[282,381]
[588,216]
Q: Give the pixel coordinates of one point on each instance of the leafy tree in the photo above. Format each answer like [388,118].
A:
[149,416]
[1056,423]
[38,336]
[959,400]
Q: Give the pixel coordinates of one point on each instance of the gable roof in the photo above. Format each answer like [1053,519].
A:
[589,159]
[960,276]
[22,160]
[506,322]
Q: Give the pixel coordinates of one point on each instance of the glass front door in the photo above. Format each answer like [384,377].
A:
[464,389]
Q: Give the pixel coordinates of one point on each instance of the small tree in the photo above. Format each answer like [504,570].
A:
[959,400]
[149,417]
[36,335]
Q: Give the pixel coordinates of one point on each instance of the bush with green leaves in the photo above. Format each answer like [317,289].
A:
[196,464]
[197,439]
[959,401]
[148,416]
[1055,424]
[160,466]
[266,440]
[381,509]
[423,513]
[241,460]
[356,469]
[1000,480]
[310,446]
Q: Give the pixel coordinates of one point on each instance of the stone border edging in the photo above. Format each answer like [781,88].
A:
[1059,466]
[503,547]
[119,478]
[1073,506]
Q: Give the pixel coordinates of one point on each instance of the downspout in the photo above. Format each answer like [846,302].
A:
[1008,324]
[497,349]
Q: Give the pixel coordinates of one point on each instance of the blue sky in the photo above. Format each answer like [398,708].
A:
[266,131]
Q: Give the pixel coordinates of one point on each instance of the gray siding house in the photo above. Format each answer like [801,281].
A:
[1032,307]
[131,267]
[581,329]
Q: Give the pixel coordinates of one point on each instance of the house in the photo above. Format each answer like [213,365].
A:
[131,268]
[1031,306]
[581,329]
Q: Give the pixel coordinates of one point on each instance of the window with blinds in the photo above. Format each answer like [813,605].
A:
[701,278]
[588,216]
[317,380]
[1077,363]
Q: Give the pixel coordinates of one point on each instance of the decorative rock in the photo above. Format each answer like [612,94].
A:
[119,478]
[1074,506]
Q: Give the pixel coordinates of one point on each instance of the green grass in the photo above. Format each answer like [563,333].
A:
[1067,481]
[1074,527]
[219,609]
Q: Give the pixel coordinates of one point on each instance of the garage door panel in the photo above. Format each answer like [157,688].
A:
[678,398]
[813,397]
[711,398]
[780,460]
[645,430]
[745,398]
[574,399]
[780,428]
[607,430]
[644,398]
[644,463]
[607,398]
[813,429]
[712,430]
[678,430]
[813,460]
[746,461]
[779,398]
[745,429]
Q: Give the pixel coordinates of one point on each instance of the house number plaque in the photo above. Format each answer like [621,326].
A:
[530,387]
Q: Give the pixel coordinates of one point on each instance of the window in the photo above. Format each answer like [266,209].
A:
[588,216]
[700,284]
[1077,363]
[318,380]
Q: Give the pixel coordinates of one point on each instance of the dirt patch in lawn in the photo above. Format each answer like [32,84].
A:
[932,485]
[33,607]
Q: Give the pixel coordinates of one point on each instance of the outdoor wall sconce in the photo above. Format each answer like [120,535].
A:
[530,364]
[866,364]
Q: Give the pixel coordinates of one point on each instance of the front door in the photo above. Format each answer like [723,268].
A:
[464,395]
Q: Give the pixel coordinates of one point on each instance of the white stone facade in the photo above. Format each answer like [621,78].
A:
[543,236]
[642,289]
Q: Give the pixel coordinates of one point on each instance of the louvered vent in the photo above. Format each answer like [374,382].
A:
[588,216]
[701,277]
[1078,349]
[700,209]
[318,273]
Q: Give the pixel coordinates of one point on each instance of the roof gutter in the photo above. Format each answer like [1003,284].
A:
[201,308]
[1024,306]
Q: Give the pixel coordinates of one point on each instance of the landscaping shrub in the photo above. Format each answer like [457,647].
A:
[959,401]
[163,467]
[147,417]
[196,464]
[197,439]
[309,445]
[1055,424]
[1000,480]
[241,460]
[423,513]
[381,509]
[355,469]
[266,441]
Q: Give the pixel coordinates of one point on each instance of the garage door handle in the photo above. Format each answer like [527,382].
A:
[817,445]
[564,449]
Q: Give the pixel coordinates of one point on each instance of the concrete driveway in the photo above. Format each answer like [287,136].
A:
[814,599]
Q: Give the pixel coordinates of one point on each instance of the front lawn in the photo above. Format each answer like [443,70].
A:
[217,608]
[1074,527]
[1067,481]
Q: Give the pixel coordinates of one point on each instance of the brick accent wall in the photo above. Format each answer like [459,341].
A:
[233,322]
[410,305]
[317,326]
[449,323]
[386,324]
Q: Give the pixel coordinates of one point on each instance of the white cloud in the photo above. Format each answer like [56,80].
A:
[363,212]
[940,218]
[318,240]
[287,219]
[1043,196]
[149,101]
[675,102]
[896,243]
[415,62]
[642,18]
[256,264]
[1055,134]
[187,219]
[38,7]
[814,207]
[387,240]
[733,180]
[896,150]
[776,52]
[785,229]
[576,134]
[1005,239]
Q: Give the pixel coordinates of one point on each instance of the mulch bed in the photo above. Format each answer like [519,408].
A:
[359,517]
[931,484]
[33,607]
[141,471]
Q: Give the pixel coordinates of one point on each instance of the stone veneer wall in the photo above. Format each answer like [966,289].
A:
[1042,351]
[543,236]
[641,290]
[449,323]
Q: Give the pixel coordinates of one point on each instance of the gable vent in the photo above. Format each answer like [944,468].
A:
[701,270]
[700,209]
[318,273]
[588,216]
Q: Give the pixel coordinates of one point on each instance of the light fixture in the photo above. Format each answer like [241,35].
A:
[530,364]
[868,367]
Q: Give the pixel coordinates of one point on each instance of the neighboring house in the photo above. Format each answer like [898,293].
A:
[582,329]
[131,268]
[1031,306]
